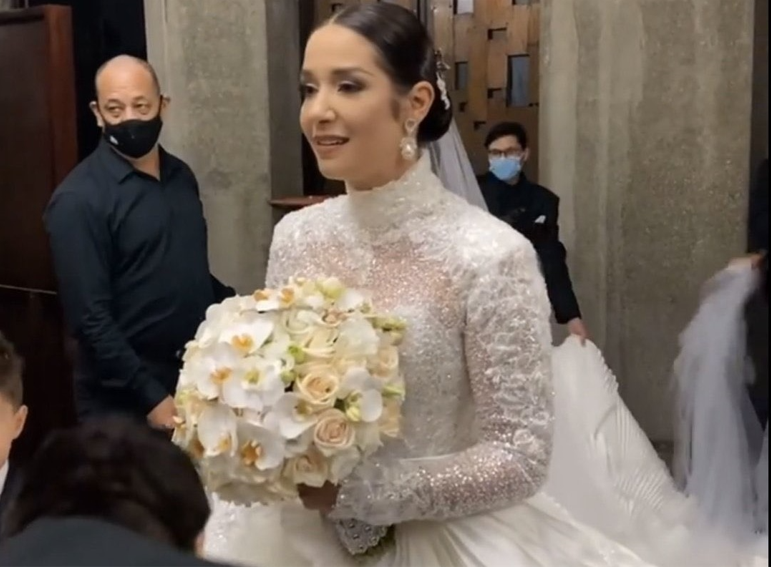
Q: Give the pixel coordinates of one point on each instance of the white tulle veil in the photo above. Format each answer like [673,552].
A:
[451,164]
[721,456]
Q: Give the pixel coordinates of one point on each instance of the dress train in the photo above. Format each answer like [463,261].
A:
[609,501]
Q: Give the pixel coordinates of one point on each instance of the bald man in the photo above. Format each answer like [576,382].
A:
[128,238]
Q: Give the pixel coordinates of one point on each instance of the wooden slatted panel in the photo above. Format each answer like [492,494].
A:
[482,43]
[325,8]
[517,29]
[498,13]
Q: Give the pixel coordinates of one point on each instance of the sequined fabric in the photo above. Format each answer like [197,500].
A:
[477,423]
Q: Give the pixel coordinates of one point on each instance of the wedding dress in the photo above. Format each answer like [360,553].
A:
[474,481]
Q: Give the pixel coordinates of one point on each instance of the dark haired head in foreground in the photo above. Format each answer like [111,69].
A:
[115,471]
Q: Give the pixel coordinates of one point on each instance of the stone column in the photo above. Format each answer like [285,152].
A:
[760,86]
[231,70]
[645,133]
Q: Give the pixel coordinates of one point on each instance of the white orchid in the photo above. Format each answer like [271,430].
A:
[300,444]
[291,416]
[254,384]
[269,300]
[217,431]
[361,396]
[259,448]
[288,386]
[249,332]
[213,368]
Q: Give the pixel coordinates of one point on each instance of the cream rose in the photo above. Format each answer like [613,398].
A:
[318,386]
[386,363]
[320,342]
[390,420]
[297,324]
[309,469]
[333,433]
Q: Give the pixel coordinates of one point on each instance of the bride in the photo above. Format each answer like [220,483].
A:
[483,475]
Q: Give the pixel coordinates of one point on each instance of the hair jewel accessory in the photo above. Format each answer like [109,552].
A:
[441,69]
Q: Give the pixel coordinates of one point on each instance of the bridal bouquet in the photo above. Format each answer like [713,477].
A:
[288,386]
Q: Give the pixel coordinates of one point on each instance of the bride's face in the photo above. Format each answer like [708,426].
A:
[352,115]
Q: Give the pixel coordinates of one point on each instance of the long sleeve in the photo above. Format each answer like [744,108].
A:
[81,248]
[507,349]
[553,258]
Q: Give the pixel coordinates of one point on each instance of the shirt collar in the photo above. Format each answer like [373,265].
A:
[3,476]
[120,168]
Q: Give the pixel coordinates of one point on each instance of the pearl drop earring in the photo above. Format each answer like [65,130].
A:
[409,144]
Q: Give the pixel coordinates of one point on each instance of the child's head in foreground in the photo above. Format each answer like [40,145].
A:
[13,413]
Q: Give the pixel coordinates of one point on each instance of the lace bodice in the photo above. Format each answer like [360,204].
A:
[478,413]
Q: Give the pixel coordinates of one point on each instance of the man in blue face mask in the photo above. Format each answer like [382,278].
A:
[533,211]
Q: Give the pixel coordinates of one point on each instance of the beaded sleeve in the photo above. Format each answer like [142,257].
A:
[507,349]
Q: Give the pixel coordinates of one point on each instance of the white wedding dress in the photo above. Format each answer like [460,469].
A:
[514,453]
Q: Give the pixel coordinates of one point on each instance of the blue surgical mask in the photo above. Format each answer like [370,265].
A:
[506,168]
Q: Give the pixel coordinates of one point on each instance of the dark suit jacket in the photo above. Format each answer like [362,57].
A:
[533,211]
[757,220]
[757,226]
[88,542]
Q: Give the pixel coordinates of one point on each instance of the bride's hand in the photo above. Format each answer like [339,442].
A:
[319,499]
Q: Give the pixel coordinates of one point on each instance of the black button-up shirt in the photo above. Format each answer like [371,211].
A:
[130,254]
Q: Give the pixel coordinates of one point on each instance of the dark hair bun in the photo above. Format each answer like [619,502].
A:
[439,118]
[407,52]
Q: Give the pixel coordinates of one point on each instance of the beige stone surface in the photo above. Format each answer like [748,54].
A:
[645,135]
[231,69]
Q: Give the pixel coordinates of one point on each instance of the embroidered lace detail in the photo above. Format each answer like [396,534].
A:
[358,537]
[476,357]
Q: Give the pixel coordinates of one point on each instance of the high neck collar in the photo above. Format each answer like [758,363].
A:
[414,194]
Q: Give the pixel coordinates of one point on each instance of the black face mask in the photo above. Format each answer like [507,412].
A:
[134,138]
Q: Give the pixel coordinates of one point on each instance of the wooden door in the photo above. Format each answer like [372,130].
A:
[491,47]
[38,145]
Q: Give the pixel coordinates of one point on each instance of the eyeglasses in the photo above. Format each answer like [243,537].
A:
[509,153]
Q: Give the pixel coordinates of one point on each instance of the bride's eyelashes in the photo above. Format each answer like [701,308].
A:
[350,87]
[306,90]
[345,87]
